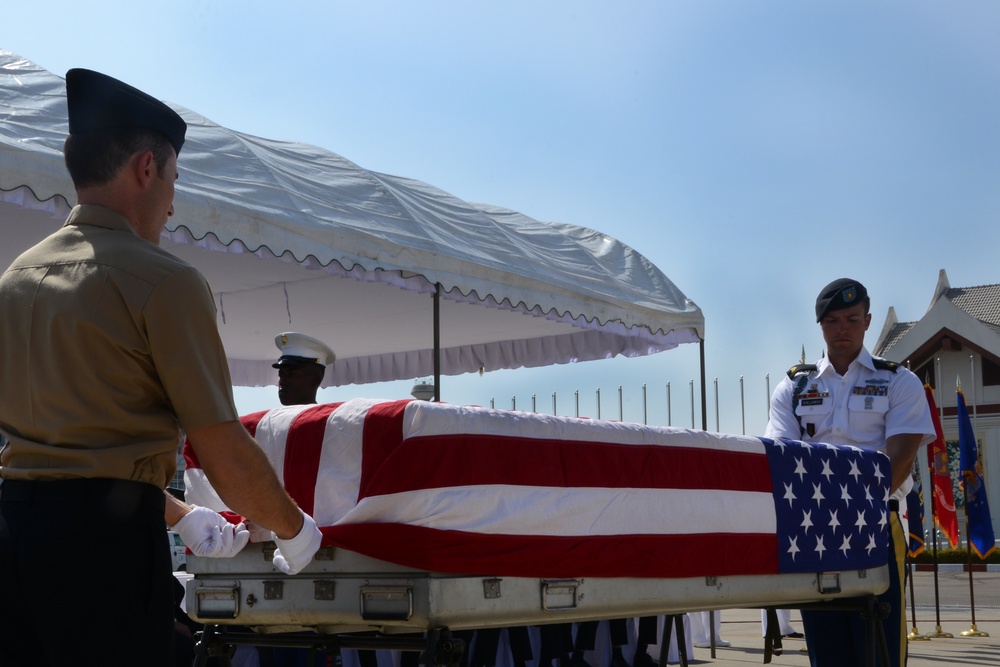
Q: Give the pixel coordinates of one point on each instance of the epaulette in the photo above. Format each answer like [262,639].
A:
[800,368]
[884,365]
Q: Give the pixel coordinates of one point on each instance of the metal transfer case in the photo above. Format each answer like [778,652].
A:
[342,591]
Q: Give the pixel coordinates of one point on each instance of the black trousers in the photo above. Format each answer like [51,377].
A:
[586,633]
[85,574]
[487,642]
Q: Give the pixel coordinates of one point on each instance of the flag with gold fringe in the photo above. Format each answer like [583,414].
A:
[976,508]
[943,505]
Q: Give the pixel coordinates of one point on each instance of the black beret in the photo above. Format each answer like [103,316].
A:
[841,293]
[97,101]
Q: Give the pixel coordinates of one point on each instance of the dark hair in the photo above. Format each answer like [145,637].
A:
[95,157]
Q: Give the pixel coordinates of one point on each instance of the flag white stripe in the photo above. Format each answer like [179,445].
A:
[199,491]
[338,479]
[433,419]
[272,434]
[526,510]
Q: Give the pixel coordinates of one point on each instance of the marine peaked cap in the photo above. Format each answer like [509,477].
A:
[99,102]
[298,349]
[841,293]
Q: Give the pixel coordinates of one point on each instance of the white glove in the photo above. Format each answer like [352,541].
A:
[296,552]
[207,533]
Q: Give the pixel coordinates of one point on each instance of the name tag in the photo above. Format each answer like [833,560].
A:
[815,394]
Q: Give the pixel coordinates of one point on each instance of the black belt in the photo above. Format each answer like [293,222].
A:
[82,490]
[893,505]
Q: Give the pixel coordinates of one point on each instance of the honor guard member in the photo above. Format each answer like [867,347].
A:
[108,350]
[851,398]
[301,367]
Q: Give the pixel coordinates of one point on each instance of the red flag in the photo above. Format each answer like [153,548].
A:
[943,505]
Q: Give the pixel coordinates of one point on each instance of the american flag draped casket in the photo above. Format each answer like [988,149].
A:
[470,490]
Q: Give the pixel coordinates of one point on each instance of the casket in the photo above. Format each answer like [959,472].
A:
[439,516]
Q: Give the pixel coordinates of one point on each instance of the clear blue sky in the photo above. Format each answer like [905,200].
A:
[754,151]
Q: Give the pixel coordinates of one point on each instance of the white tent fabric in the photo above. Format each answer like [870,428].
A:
[295,238]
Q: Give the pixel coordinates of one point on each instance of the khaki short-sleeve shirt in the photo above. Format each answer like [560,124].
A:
[108,347]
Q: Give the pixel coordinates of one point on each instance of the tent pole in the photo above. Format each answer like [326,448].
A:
[437,342]
[704,395]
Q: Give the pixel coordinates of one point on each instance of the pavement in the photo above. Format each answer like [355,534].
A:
[954,615]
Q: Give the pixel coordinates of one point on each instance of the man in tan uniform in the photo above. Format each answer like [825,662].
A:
[108,348]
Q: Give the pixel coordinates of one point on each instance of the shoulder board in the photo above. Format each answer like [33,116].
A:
[800,368]
[883,365]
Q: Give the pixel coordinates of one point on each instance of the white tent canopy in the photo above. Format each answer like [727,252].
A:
[295,238]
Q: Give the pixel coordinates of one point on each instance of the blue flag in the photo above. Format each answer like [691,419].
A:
[915,514]
[976,508]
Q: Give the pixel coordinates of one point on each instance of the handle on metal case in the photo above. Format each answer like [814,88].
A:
[559,595]
[218,601]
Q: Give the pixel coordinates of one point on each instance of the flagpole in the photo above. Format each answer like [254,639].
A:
[767,393]
[743,409]
[934,566]
[716,405]
[911,553]
[704,413]
[934,513]
[972,381]
[972,631]
[914,633]
[670,417]
[645,417]
[937,596]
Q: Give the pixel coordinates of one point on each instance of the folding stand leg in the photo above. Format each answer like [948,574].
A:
[312,653]
[875,613]
[675,621]
[443,650]
[772,636]
[682,652]
[209,645]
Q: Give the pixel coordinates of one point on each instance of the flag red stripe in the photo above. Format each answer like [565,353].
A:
[190,457]
[251,420]
[383,432]
[302,453]
[249,423]
[465,460]
[532,556]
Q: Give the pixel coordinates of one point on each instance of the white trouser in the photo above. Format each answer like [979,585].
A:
[784,622]
[700,625]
